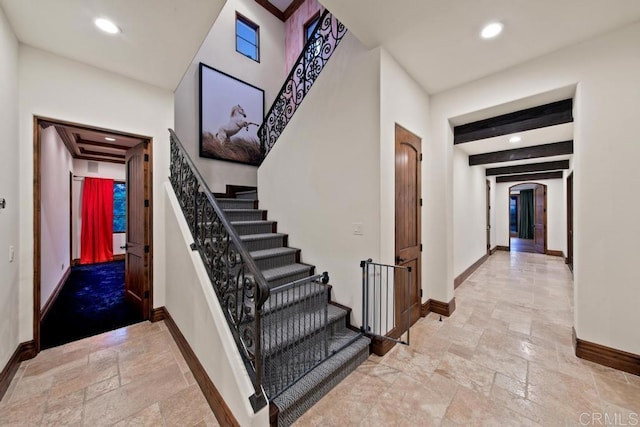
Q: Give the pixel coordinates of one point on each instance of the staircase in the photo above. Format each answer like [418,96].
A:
[304,357]
[295,343]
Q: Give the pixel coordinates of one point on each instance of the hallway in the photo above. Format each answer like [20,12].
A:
[504,357]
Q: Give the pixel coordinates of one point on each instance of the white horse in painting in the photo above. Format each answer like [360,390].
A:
[236,123]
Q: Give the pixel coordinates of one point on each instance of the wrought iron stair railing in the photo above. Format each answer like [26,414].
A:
[237,281]
[314,56]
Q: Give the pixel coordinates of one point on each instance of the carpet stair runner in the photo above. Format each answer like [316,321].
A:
[280,265]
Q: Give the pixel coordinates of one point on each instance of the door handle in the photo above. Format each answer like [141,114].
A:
[399,260]
[125,247]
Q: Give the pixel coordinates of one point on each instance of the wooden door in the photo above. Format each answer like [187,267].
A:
[540,219]
[138,230]
[488,217]
[569,259]
[408,148]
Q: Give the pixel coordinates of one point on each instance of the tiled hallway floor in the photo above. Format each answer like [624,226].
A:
[131,376]
[504,358]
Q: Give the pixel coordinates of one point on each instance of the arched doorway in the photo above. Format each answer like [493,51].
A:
[528,218]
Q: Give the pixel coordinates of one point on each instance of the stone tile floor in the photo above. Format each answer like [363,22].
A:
[504,358]
[131,376]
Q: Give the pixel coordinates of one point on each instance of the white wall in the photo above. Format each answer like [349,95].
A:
[469,212]
[9,167]
[55,213]
[115,171]
[605,70]
[194,306]
[55,87]
[404,102]
[556,213]
[323,174]
[219,51]
[492,212]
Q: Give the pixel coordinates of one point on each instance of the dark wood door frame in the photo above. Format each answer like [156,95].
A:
[545,211]
[37,210]
[569,259]
[408,247]
[488,217]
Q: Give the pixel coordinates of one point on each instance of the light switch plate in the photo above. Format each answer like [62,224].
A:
[12,253]
[357,229]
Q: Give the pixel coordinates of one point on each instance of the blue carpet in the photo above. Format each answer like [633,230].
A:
[90,302]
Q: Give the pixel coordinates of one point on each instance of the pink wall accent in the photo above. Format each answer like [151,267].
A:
[294,31]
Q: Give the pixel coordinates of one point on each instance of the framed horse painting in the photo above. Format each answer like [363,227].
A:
[231,111]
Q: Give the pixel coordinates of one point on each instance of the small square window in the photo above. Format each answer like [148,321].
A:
[310,26]
[314,50]
[247,38]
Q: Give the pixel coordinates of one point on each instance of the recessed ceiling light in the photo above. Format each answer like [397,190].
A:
[107,26]
[515,139]
[491,30]
[108,138]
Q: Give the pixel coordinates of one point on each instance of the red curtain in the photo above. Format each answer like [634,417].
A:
[97,221]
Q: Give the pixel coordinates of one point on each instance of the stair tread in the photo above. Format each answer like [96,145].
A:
[285,270]
[261,236]
[325,371]
[252,222]
[232,210]
[231,199]
[288,333]
[266,253]
[271,304]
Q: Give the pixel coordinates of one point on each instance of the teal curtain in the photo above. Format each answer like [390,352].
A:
[525,227]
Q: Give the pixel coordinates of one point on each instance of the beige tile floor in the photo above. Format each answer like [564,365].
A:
[504,358]
[130,376]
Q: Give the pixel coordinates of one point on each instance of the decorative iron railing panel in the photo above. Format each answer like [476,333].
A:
[238,283]
[314,56]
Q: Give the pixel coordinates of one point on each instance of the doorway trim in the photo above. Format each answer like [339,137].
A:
[404,136]
[37,212]
[570,208]
[546,226]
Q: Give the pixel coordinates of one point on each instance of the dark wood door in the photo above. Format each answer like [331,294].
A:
[407,242]
[569,259]
[488,217]
[540,219]
[138,234]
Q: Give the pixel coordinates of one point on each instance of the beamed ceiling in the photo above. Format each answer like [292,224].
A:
[92,144]
[545,129]
[281,9]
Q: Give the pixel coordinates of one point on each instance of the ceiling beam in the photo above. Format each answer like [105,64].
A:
[67,139]
[546,150]
[283,16]
[271,8]
[552,114]
[531,167]
[81,141]
[530,177]
[100,159]
[291,9]
[100,153]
